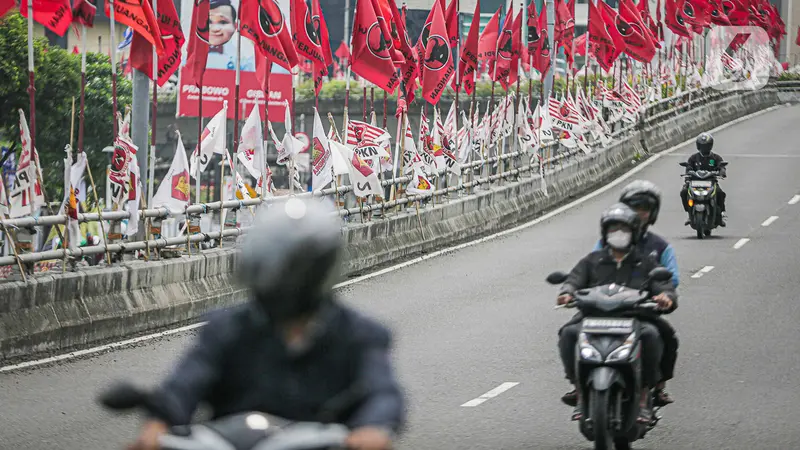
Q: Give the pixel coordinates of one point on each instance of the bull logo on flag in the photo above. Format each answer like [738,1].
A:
[688,10]
[378,45]
[505,49]
[679,19]
[119,160]
[361,165]
[318,156]
[312,27]
[203,26]
[423,184]
[270,18]
[180,186]
[727,6]
[546,49]
[439,53]
[564,110]
[533,34]
[425,35]
[623,27]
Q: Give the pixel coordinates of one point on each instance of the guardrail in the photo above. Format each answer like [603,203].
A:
[487,173]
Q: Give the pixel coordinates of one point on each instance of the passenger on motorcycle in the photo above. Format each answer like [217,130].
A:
[293,350]
[644,197]
[620,261]
[705,159]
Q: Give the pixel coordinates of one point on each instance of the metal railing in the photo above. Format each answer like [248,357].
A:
[489,170]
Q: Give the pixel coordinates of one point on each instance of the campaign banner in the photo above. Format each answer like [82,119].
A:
[219,79]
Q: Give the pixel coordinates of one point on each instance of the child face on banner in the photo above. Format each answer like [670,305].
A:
[222,22]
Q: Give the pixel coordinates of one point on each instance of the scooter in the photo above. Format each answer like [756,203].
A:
[245,431]
[609,363]
[702,199]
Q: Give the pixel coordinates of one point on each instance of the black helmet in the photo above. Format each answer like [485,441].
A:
[290,258]
[705,142]
[620,213]
[642,193]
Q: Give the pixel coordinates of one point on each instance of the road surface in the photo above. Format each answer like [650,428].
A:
[475,320]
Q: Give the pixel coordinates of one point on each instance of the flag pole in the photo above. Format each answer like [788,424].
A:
[199,138]
[459,177]
[236,106]
[31,86]
[113,70]
[264,181]
[154,113]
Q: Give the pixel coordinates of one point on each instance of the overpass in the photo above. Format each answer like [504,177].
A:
[481,320]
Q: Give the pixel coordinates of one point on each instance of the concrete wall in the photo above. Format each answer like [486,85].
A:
[61,312]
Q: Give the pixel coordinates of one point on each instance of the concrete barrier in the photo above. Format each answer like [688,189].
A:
[60,312]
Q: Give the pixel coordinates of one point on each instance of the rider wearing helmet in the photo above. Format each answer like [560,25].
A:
[619,261]
[644,197]
[705,159]
[293,350]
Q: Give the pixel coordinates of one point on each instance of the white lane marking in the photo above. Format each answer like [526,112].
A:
[491,394]
[703,271]
[741,243]
[427,256]
[794,200]
[769,221]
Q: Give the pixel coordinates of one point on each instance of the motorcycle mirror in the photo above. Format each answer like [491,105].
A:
[723,163]
[683,164]
[557,277]
[660,274]
[122,396]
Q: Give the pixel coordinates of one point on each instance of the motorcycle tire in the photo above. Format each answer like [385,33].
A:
[707,232]
[600,405]
[700,234]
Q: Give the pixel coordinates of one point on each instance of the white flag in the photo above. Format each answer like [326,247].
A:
[173,192]
[365,181]
[321,157]
[26,194]
[251,145]
[212,141]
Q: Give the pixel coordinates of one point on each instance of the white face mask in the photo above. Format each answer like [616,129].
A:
[619,239]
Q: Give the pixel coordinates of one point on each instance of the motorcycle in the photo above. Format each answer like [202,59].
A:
[609,363]
[244,431]
[702,199]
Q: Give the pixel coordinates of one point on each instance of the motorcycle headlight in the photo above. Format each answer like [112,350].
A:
[588,352]
[699,192]
[622,352]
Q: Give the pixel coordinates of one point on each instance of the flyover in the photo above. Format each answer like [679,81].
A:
[477,318]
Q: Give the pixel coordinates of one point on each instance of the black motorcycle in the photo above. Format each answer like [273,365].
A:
[702,189]
[609,363]
[245,431]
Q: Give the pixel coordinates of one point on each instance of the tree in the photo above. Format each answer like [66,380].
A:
[57,81]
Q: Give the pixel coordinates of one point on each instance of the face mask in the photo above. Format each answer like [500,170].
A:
[619,239]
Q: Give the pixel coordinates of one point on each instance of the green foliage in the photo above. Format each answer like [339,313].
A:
[57,81]
[787,76]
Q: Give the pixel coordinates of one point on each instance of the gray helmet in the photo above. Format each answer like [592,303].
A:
[290,258]
[704,143]
[622,214]
[642,193]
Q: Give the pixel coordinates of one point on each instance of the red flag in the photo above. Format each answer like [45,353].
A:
[308,39]
[171,35]
[451,22]
[6,6]
[516,52]
[372,58]
[83,12]
[263,23]
[55,15]
[263,69]
[600,41]
[697,14]
[637,38]
[736,12]
[437,61]
[408,68]
[643,7]
[717,14]
[674,19]
[386,19]
[197,49]
[138,14]
[487,43]
[468,62]
[564,29]
[542,59]
[505,48]
[611,19]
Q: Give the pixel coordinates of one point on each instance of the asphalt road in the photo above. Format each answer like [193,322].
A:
[472,320]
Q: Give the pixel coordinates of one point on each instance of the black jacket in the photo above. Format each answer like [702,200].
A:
[599,268]
[710,162]
[238,363]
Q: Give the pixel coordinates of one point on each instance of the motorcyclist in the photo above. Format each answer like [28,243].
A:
[620,261]
[644,197]
[293,350]
[705,159]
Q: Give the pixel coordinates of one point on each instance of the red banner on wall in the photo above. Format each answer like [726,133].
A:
[220,85]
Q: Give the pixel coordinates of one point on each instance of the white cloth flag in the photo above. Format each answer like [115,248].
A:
[212,141]
[26,194]
[365,181]
[321,157]
[251,145]
[173,192]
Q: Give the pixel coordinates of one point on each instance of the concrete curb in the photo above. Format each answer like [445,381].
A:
[59,312]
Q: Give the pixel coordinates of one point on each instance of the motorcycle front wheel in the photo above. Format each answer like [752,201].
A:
[600,405]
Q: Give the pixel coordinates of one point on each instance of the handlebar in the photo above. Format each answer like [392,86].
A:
[645,303]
